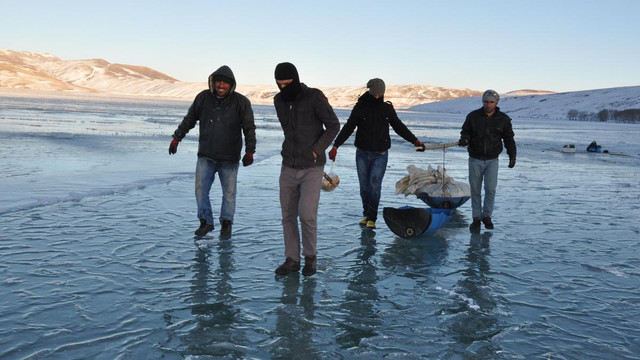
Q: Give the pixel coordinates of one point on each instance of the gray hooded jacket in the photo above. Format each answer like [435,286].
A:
[222,121]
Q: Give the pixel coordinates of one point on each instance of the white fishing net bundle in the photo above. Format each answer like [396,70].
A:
[433,182]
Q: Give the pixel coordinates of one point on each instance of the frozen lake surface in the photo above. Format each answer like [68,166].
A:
[98,258]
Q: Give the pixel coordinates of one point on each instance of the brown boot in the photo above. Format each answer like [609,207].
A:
[288,266]
[487,222]
[475,225]
[309,265]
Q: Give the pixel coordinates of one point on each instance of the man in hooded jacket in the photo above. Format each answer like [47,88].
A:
[309,125]
[372,116]
[224,115]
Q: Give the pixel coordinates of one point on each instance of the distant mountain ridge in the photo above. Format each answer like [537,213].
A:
[42,72]
[621,104]
[38,71]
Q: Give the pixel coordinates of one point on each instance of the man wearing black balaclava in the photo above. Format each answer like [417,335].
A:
[309,126]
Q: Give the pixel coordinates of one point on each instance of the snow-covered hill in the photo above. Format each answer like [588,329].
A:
[38,71]
[580,105]
[32,72]
[41,72]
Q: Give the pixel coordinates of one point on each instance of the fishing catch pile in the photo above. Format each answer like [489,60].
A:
[330,181]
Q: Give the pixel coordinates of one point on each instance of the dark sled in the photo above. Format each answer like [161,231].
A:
[443,202]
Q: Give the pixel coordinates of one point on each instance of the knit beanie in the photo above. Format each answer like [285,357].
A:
[286,71]
[491,96]
[376,86]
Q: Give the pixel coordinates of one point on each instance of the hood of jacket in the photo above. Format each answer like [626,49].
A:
[226,72]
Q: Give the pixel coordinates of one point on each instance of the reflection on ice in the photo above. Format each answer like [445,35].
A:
[360,318]
[216,331]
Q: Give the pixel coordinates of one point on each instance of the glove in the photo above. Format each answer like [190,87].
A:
[419,146]
[333,153]
[247,159]
[463,142]
[512,162]
[174,146]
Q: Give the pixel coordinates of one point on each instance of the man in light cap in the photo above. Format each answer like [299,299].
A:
[372,116]
[309,126]
[224,115]
[484,131]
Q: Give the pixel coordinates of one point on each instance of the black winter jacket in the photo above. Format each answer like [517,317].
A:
[222,122]
[309,126]
[372,117]
[485,135]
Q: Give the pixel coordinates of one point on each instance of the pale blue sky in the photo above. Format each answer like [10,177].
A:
[559,45]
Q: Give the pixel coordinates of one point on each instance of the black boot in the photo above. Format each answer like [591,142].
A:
[288,266]
[475,225]
[487,222]
[309,265]
[204,228]
[226,227]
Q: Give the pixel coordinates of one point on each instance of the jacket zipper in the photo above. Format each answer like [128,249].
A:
[291,122]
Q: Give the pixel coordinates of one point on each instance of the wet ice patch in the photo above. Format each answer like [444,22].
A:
[205,243]
[605,269]
[470,302]
[13,281]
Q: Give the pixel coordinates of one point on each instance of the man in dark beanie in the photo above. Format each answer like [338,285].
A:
[291,90]
[484,131]
[372,116]
[376,87]
[224,115]
[309,126]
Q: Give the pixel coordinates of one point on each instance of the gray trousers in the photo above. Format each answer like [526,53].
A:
[299,198]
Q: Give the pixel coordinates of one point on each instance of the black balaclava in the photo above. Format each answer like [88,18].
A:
[286,71]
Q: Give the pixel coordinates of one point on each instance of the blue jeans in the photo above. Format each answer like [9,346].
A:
[205,174]
[371,166]
[479,171]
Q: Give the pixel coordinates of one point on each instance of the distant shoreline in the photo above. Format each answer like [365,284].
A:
[77,95]
[21,93]
[39,94]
